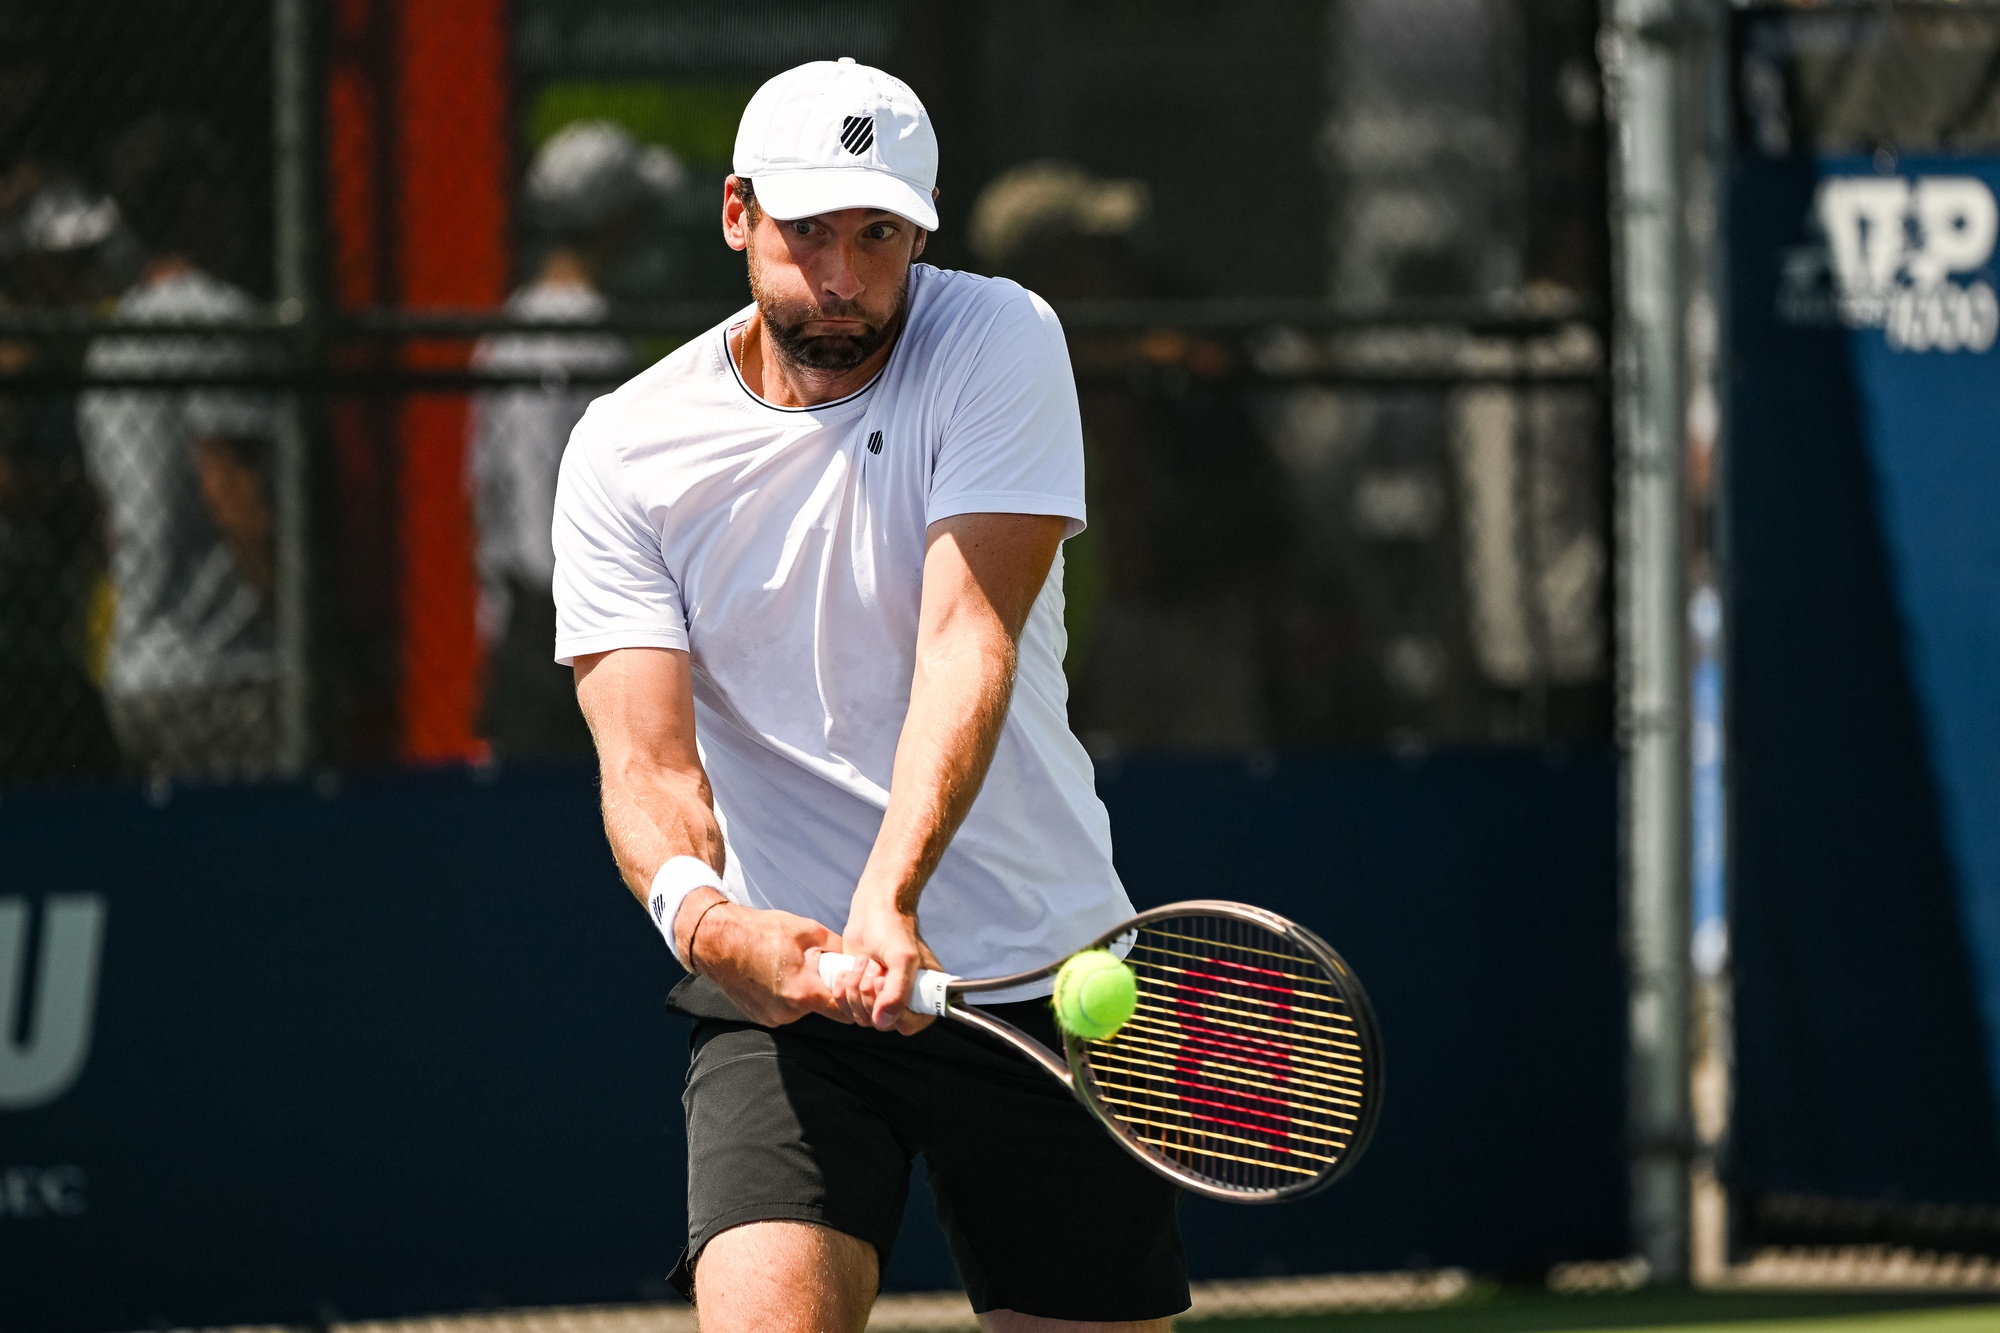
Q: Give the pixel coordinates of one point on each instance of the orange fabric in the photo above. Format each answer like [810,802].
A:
[351,185]
[358,98]
[451,164]
[364,564]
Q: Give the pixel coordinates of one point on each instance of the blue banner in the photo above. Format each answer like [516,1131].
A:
[399,1045]
[1911,254]
[1863,480]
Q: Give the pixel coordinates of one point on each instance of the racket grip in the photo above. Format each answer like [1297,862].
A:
[926,995]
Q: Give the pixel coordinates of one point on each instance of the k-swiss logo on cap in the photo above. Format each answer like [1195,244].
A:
[857,134]
[875,442]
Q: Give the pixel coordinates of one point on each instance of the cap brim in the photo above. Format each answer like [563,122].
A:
[786,195]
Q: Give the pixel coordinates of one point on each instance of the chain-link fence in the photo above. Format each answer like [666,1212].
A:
[1854,78]
[138,597]
[301,302]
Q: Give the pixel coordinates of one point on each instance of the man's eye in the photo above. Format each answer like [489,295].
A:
[803,228]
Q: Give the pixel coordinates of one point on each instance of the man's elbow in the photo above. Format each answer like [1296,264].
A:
[634,768]
[986,653]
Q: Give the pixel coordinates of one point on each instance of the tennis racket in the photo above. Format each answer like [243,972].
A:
[1251,1071]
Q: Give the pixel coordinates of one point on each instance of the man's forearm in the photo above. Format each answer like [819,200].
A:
[652,815]
[958,701]
[653,818]
[657,804]
[657,808]
[982,574]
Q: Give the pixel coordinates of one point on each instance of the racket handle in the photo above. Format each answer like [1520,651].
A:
[926,995]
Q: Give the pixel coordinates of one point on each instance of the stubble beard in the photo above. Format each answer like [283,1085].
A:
[784,322]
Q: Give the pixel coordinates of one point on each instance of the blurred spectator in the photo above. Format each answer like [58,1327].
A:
[54,239]
[590,192]
[1169,589]
[185,476]
[53,236]
[1063,233]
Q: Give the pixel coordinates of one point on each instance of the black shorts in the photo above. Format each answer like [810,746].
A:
[818,1121]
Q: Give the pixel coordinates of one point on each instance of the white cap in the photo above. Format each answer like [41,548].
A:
[833,134]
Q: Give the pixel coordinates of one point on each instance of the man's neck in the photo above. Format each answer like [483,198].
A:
[781,382]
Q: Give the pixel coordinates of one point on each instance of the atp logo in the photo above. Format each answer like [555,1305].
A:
[1907,256]
[40,1068]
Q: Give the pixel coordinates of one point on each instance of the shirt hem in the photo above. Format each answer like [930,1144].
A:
[569,649]
[1012,502]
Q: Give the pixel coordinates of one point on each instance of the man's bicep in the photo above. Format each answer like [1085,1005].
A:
[611,584]
[1013,443]
[640,706]
[983,567]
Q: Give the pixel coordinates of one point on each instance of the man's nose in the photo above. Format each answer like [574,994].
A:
[839,278]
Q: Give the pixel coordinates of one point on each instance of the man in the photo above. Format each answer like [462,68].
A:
[590,189]
[191,680]
[808,573]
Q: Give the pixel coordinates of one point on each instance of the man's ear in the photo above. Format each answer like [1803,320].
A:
[737,219]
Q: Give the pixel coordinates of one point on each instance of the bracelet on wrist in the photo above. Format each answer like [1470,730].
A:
[694,963]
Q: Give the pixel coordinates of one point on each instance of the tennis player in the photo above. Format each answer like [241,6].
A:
[809,574]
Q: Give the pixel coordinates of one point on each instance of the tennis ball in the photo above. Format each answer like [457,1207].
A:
[1095,994]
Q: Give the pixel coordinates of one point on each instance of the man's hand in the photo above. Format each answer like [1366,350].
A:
[878,995]
[767,963]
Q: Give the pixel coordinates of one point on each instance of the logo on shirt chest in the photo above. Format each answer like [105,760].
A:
[875,442]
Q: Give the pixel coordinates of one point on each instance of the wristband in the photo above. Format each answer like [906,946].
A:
[673,882]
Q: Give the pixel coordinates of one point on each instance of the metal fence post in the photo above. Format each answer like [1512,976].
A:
[1711,1054]
[291,91]
[1642,68]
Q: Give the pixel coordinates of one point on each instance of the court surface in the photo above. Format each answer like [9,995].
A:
[1504,1310]
[1450,1302]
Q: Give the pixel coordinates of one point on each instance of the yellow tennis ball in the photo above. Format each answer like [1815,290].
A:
[1095,994]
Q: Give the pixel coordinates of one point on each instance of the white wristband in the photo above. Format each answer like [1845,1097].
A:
[672,883]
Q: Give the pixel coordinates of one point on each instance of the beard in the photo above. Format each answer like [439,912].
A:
[785,321]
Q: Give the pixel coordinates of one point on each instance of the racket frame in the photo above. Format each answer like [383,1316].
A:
[1072,1068]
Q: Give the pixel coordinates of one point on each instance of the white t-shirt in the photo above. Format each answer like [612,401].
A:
[783,549]
[186,617]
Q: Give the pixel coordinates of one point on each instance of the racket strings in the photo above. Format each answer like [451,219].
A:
[1236,1016]
[1235,1045]
[1255,1005]
[1118,1060]
[1244,1064]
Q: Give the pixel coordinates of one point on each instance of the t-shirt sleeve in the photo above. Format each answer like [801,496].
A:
[612,588]
[1013,443]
